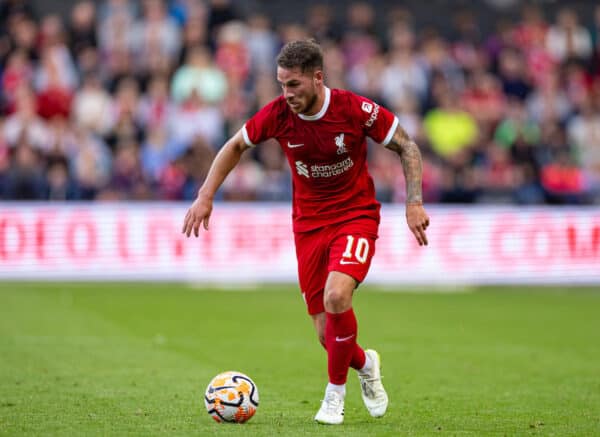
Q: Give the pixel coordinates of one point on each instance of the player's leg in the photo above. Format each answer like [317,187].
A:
[350,257]
[359,359]
[340,341]
[311,251]
[340,326]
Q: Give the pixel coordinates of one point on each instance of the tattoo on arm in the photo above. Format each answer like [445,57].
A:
[410,156]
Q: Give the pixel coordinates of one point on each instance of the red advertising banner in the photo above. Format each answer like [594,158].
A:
[253,243]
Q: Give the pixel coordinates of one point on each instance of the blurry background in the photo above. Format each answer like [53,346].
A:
[125,101]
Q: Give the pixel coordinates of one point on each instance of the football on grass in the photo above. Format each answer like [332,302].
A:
[231,397]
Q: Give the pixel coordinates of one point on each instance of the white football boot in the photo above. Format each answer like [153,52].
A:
[373,393]
[332,409]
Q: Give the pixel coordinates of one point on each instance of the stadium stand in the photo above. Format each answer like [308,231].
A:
[124,100]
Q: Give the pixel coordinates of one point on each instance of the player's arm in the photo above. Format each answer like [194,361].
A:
[224,162]
[412,164]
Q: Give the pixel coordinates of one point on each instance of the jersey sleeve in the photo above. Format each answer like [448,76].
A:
[377,122]
[262,125]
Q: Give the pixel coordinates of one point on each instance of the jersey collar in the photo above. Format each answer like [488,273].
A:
[323,110]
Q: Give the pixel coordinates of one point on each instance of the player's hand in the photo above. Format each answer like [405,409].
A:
[199,213]
[418,221]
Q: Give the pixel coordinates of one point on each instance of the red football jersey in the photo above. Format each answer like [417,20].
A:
[327,153]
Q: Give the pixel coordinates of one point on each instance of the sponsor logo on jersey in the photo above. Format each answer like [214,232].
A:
[339,142]
[373,117]
[324,170]
[328,170]
[302,169]
[367,107]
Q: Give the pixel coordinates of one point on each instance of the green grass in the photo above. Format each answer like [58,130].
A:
[114,359]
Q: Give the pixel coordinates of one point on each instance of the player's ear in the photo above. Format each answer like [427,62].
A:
[318,77]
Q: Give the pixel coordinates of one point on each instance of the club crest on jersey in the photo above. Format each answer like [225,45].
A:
[339,142]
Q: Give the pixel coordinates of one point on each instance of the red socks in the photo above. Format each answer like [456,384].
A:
[342,349]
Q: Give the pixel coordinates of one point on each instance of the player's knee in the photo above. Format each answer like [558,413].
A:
[337,300]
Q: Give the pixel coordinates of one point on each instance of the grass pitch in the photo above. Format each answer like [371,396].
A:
[115,359]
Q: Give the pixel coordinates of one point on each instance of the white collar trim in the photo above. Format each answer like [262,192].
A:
[323,110]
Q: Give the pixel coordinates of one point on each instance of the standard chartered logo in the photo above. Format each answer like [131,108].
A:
[302,169]
[325,170]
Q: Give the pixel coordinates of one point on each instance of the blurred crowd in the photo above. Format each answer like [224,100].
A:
[130,100]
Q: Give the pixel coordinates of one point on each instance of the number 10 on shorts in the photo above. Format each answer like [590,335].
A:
[360,250]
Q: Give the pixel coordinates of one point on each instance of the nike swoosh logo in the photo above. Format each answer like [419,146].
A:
[343,338]
[292,146]
[343,261]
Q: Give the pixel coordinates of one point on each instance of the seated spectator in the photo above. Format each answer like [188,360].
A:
[91,164]
[513,75]
[158,152]
[516,126]
[563,181]
[232,55]
[403,75]
[155,39]
[60,185]
[25,180]
[484,100]
[567,39]
[549,101]
[125,112]
[155,107]
[584,136]
[18,72]
[24,121]
[448,128]
[199,74]
[194,117]
[500,177]
[92,106]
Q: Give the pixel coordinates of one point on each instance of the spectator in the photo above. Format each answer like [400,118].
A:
[567,39]
[584,135]
[18,73]
[449,129]
[24,121]
[262,43]
[200,75]
[82,28]
[563,181]
[195,117]
[404,75]
[512,74]
[155,39]
[60,184]
[92,106]
[517,126]
[25,179]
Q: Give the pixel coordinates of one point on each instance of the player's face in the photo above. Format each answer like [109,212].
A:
[300,89]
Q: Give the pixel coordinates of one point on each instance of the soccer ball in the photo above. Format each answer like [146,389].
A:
[231,397]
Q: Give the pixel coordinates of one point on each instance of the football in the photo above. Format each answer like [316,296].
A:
[231,397]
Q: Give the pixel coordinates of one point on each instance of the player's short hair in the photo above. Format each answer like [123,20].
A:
[304,54]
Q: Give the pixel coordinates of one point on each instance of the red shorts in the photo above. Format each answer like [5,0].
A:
[346,247]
